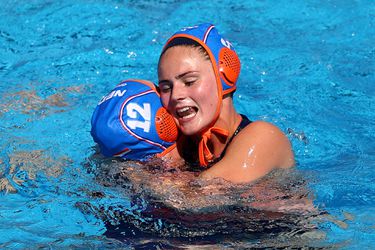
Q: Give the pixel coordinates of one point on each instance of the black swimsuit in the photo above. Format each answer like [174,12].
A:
[188,154]
[244,122]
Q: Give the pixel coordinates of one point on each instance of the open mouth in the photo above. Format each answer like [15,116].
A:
[186,112]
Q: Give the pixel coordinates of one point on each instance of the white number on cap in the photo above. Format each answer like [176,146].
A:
[226,43]
[189,28]
[132,110]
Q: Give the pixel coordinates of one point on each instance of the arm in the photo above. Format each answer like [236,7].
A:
[258,149]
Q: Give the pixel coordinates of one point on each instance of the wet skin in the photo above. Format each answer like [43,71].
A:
[188,88]
[190,93]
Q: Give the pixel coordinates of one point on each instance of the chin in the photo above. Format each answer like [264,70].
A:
[188,131]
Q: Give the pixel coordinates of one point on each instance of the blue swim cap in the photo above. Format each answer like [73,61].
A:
[220,51]
[131,123]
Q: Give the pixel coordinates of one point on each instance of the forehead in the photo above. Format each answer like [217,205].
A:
[184,50]
[179,57]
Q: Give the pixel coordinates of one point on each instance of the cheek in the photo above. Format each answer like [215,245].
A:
[164,100]
[208,94]
[212,102]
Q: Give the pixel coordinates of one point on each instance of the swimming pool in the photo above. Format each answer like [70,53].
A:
[307,66]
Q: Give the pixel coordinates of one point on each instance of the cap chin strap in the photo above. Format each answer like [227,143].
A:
[205,154]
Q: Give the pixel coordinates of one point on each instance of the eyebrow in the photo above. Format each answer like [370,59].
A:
[179,76]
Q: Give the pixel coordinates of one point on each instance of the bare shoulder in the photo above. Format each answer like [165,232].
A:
[270,141]
[261,129]
[259,148]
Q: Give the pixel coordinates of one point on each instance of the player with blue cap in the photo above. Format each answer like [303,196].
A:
[220,50]
[131,123]
[197,73]
[226,66]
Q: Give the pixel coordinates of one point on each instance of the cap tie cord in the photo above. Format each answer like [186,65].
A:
[205,154]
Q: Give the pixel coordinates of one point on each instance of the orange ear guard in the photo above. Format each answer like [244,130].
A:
[229,66]
[165,126]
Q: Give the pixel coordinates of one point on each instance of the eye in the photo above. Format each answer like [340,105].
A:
[165,87]
[190,81]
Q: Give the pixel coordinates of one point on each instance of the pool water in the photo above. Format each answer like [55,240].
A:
[307,66]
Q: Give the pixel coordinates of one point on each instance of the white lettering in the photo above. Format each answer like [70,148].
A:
[132,110]
[122,84]
[119,93]
[226,43]
[189,28]
[114,93]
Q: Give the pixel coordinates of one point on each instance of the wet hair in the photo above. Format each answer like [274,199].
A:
[185,42]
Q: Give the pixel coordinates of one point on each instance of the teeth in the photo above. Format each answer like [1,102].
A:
[186,112]
[183,110]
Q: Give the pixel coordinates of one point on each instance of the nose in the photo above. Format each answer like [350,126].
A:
[178,92]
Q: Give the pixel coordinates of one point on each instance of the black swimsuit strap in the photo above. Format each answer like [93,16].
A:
[194,166]
[244,122]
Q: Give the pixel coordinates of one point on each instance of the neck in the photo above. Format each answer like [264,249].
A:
[229,120]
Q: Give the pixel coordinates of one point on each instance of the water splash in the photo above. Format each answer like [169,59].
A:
[176,205]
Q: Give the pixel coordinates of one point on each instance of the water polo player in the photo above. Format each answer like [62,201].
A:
[131,123]
[198,70]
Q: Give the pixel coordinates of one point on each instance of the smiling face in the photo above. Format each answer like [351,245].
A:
[188,88]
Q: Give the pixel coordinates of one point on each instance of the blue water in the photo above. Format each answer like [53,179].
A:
[307,66]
